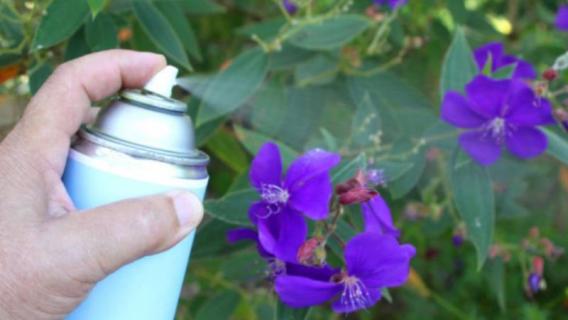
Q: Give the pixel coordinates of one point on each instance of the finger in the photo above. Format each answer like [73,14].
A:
[63,102]
[105,238]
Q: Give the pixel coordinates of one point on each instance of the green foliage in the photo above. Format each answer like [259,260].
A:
[473,195]
[158,28]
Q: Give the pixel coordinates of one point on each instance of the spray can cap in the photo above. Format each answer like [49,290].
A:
[163,82]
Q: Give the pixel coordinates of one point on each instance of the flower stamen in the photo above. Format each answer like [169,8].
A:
[355,294]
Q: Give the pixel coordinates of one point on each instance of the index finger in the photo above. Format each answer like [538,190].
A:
[63,103]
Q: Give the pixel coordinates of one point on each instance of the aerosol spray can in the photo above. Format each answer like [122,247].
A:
[141,144]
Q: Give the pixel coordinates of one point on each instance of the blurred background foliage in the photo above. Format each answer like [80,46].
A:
[349,77]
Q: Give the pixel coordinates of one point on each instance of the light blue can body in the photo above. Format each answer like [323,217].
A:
[146,289]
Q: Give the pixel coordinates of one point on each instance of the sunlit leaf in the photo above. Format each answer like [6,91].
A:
[61,20]
[159,29]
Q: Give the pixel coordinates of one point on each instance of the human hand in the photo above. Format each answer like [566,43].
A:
[50,256]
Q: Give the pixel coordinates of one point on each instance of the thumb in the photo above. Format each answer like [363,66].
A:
[105,238]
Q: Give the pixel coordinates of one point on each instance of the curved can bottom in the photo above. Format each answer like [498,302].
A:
[146,289]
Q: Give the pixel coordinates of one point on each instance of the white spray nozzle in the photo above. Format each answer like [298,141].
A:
[163,82]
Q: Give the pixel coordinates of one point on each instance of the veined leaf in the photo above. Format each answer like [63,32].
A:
[233,207]
[557,145]
[458,68]
[329,34]
[473,195]
[160,31]
[62,19]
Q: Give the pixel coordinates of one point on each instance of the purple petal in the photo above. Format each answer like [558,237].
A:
[239,234]
[300,292]
[493,49]
[481,147]
[378,260]
[283,233]
[524,70]
[313,163]
[313,196]
[487,95]
[290,6]
[316,273]
[561,21]
[458,111]
[526,109]
[526,142]
[346,303]
[266,167]
[377,217]
[258,210]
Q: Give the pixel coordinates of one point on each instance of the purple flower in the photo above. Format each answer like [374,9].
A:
[498,113]
[276,265]
[377,217]
[561,21]
[373,262]
[290,6]
[499,59]
[305,190]
[393,4]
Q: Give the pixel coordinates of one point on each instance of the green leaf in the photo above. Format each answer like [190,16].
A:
[254,140]
[61,20]
[458,68]
[220,307]
[232,87]
[393,170]
[283,312]
[160,31]
[495,269]
[473,195]
[101,33]
[407,180]
[96,6]
[329,34]
[11,28]
[38,76]
[226,147]
[347,169]
[77,46]
[233,207]
[202,7]
[505,72]
[265,30]
[557,145]
[404,111]
[174,13]
[320,69]
[366,124]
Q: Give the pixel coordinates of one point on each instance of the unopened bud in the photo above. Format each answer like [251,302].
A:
[549,74]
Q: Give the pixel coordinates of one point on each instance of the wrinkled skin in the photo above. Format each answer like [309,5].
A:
[50,256]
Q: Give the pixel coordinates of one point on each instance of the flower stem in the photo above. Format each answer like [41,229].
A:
[378,39]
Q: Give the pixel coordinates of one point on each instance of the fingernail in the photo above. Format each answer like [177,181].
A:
[189,209]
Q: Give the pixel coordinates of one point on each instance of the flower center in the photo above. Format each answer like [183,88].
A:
[497,128]
[355,294]
[276,267]
[275,197]
[274,194]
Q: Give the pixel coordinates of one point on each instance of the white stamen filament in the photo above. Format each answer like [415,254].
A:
[355,293]
[275,197]
[497,128]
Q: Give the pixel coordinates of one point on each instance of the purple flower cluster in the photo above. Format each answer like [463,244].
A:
[290,6]
[562,18]
[374,259]
[496,52]
[497,114]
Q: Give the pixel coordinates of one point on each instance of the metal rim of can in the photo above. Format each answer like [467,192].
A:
[153,100]
[199,158]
